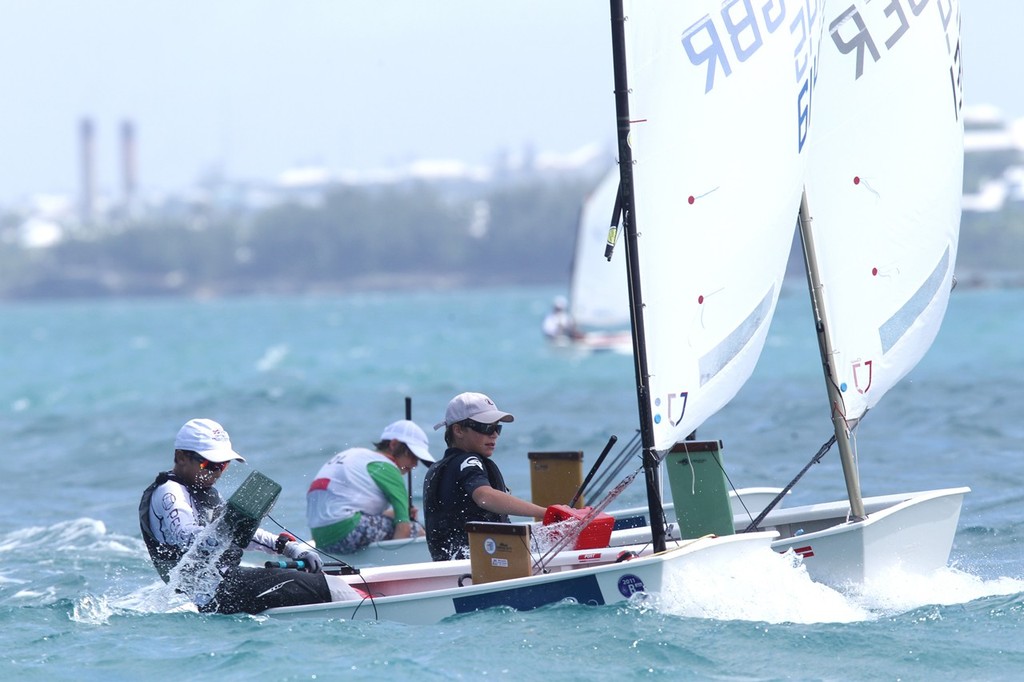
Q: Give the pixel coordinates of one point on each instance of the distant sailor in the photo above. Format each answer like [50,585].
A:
[558,324]
[359,497]
[179,508]
[466,485]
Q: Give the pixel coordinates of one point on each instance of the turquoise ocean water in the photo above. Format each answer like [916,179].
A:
[94,391]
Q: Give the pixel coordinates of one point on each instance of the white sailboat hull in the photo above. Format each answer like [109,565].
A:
[426,593]
[598,342]
[414,550]
[910,532]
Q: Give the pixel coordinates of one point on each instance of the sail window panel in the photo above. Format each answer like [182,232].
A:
[722,354]
[896,327]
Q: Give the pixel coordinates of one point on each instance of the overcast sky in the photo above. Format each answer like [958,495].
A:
[250,88]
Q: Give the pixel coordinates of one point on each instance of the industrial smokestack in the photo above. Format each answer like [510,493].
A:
[86,137]
[128,167]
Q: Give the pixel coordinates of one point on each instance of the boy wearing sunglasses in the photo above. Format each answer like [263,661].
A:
[466,484]
[180,507]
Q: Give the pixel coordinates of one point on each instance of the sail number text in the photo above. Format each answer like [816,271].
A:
[726,40]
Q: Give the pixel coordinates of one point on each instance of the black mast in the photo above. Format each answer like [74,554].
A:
[651,462]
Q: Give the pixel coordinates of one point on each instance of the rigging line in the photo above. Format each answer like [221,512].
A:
[732,486]
[771,505]
[593,470]
[612,474]
[344,564]
[628,451]
[316,549]
[570,537]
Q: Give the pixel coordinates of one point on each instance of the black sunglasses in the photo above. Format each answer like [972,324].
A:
[486,429]
[207,464]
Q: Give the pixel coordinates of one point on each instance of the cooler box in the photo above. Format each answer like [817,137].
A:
[699,488]
[555,477]
[498,551]
[596,534]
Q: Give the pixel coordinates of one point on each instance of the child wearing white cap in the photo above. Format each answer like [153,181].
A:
[358,497]
[179,509]
[467,485]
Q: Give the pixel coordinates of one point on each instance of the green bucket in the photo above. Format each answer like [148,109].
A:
[699,488]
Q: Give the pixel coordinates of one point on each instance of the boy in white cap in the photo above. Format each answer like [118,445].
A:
[466,485]
[358,497]
[180,504]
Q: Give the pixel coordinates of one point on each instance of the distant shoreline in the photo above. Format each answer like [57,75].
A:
[97,288]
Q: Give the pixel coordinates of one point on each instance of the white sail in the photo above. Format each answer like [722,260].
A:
[598,296]
[719,97]
[884,186]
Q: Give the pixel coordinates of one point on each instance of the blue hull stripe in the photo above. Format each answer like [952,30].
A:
[584,590]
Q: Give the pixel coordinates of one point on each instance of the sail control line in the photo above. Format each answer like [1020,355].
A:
[568,539]
[592,513]
[789,486]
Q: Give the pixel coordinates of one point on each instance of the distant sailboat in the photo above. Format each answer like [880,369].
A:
[598,303]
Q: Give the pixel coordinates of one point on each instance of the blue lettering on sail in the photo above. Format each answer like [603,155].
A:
[893,329]
[721,355]
[710,50]
[805,58]
[722,42]
[739,23]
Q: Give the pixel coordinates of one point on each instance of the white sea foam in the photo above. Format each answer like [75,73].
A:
[272,357]
[766,586]
[898,591]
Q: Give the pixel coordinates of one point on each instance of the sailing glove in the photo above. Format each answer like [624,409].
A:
[282,540]
[297,552]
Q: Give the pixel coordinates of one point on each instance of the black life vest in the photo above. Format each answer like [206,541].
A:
[207,504]
[448,507]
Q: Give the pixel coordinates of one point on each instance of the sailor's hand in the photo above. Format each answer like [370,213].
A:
[413,513]
[282,540]
[298,552]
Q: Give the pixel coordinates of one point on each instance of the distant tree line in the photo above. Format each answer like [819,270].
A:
[396,236]
[380,237]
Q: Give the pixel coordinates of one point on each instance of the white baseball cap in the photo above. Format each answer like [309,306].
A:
[475,406]
[206,438]
[412,435]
